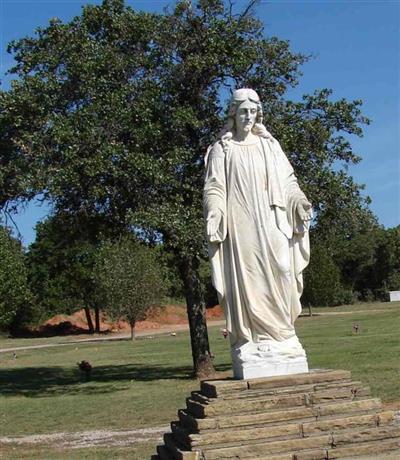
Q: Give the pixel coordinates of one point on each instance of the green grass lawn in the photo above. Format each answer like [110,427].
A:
[370,306]
[372,354]
[140,384]
[10,342]
[141,452]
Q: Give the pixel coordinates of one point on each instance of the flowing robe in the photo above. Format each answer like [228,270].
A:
[261,246]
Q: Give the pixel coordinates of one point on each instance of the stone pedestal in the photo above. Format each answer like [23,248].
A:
[269,358]
[318,415]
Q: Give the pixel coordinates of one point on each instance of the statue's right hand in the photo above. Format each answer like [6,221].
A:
[213,223]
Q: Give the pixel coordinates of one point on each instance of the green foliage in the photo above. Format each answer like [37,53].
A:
[362,265]
[15,296]
[369,261]
[322,285]
[383,274]
[113,111]
[60,264]
[130,278]
[172,281]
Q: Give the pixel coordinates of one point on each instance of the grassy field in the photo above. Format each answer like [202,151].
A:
[141,384]
[51,452]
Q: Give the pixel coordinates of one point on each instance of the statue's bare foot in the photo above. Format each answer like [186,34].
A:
[264,347]
[290,347]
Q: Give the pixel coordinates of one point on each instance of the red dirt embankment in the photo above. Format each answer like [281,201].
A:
[156,318]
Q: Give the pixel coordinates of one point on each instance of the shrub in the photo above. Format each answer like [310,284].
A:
[130,278]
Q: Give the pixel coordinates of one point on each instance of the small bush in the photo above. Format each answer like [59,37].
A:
[130,278]
[344,296]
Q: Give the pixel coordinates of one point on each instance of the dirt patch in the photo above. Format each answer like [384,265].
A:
[94,438]
[76,321]
[157,318]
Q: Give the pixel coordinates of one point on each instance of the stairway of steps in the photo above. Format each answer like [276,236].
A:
[319,415]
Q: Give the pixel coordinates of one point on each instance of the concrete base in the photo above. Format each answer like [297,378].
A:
[268,358]
[269,369]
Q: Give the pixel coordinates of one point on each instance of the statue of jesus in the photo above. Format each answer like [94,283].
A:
[257,228]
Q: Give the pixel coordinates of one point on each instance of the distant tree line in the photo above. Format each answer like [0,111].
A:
[61,273]
[364,267]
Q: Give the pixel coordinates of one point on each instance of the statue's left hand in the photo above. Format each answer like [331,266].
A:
[213,223]
[304,210]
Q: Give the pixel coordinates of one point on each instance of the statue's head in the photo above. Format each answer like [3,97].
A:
[244,98]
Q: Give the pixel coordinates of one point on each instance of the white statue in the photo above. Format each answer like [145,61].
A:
[257,228]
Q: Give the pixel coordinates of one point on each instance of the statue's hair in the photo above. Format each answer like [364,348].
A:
[238,97]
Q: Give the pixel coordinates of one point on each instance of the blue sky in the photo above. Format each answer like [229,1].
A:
[356,49]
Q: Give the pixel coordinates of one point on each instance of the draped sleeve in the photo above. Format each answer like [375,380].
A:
[215,201]
[286,194]
[284,190]
[215,189]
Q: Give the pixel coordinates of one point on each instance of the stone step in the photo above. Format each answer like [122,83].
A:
[377,450]
[219,388]
[311,392]
[221,438]
[362,405]
[204,407]
[367,449]
[163,453]
[354,422]
[267,448]
[392,454]
[223,407]
[287,430]
[316,412]
[341,440]
[386,449]
[256,393]
[357,388]
[177,451]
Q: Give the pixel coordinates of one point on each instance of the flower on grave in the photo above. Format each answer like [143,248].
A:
[84,366]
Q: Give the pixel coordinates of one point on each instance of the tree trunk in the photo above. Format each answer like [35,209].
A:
[133,335]
[196,311]
[97,319]
[89,320]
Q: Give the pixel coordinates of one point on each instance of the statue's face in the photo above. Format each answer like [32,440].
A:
[246,115]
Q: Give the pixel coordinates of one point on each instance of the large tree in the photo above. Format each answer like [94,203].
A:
[60,265]
[111,113]
[15,296]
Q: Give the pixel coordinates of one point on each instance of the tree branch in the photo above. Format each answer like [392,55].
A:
[249,8]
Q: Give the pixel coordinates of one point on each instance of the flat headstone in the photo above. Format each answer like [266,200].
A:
[394,296]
